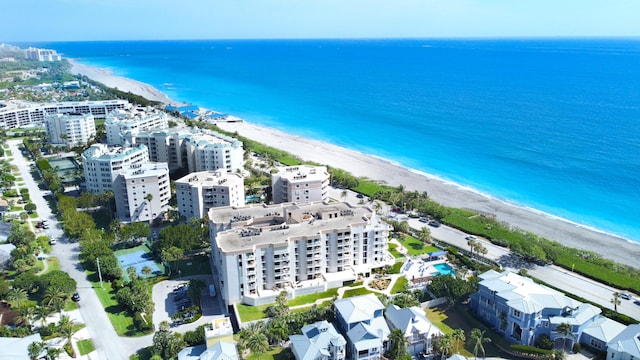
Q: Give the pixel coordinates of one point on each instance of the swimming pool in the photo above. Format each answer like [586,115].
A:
[443,269]
[252,199]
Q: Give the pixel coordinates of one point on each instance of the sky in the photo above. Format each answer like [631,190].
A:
[85,20]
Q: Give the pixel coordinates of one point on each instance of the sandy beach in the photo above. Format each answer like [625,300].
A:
[446,193]
[121,83]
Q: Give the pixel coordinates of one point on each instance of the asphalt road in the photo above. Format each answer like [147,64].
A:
[558,277]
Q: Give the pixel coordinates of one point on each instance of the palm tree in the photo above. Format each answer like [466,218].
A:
[17,296]
[443,345]
[472,244]
[149,197]
[41,313]
[35,349]
[616,301]
[146,270]
[26,314]
[458,336]
[195,290]
[424,235]
[53,353]
[65,325]
[477,339]
[398,343]
[258,343]
[55,298]
[564,329]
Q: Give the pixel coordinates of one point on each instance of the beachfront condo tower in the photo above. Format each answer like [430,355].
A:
[122,121]
[260,250]
[142,192]
[200,191]
[70,129]
[300,184]
[103,163]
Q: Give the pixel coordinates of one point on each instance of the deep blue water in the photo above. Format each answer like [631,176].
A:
[549,124]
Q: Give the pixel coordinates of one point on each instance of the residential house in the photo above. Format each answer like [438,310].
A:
[319,341]
[361,318]
[415,326]
[626,345]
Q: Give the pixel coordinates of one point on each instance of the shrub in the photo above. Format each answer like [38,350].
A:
[530,350]
[143,324]
[576,348]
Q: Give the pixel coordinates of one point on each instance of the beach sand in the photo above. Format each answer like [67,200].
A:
[121,83]
[446,193]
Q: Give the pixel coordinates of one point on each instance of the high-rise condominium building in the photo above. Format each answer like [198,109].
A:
[302,183]
[191,149]
[18,113]
[120,122]
[103,163]
[260,250]
[71,129]
[142,191]
[37,54]
[198,192]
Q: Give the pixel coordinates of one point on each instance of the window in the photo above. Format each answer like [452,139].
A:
[516,313]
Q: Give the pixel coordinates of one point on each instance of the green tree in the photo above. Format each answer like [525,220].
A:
[258,343]
[65,326]
[165,343]
[172,255]
[477,339]
[458,337]
[17,297]
[53,353]
[30,207]
[398,344]
[26,315]
[41,313]
[35,349]
[564,329]
[616,301]
[425,235]
[196,286]
[146,271]
[443,345]
[55,298]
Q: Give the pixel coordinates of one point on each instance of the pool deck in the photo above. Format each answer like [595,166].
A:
[417,269]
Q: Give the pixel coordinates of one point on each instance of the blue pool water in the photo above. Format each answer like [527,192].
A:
[443,269]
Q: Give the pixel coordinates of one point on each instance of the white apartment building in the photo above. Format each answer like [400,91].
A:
[103,163]
[120,122]
[302,183]
[71,129]
[17,114]
[192,149]
[260,250]
[142,191]
[198,192]
[37,54]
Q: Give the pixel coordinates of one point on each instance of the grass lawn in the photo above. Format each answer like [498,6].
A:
[85,346]
[249,313]
[122,323]
[356,292]
[416,247]
[34,215]
[275,353]
[308,299]
[395,269]
[448,319]
[399,285]
[197,265]
[393,249]
[52,264]
[70,306]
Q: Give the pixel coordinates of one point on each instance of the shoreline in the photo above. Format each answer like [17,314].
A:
[552,227]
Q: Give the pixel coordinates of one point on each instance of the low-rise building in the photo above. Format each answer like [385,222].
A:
[17,348]
[417,329]
[361,318]
[142,192]
[260,250]
[198,192]
[70,129]
[319,341]
[626,345]
[523,311]
[219,343]
[302,183]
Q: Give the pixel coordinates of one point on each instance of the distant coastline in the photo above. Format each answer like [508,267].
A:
[448,193]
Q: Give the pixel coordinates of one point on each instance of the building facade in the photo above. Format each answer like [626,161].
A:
[361,318]
[18,114]
[626,345]
[522,310]
[142,192]
[37,54]
[302,183]
[103,163]
[260,250]
[191,149]
[200,191]
[120,122]
[70,129]
[418,331]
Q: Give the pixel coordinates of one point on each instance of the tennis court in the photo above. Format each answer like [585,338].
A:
[138,257]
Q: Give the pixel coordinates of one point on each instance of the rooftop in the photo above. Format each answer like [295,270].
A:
[260,224]
[211,178]
[303,172]
[145,170]
[108,153]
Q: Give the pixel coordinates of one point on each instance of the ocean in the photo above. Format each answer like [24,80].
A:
[549,124]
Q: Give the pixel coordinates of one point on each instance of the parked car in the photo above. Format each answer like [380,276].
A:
[75,297]
[434,223]
[53,241]
[625,296]
[424,219]
[360,196]
[471,237]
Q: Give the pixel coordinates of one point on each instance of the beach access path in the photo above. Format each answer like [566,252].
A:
[446,193]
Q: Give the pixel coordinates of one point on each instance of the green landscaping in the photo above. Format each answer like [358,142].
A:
[356,292]
[393,249]
[250,313]
[400,285]
[85,346]
[196,265]
[416,247]
[122,323]
[311,298]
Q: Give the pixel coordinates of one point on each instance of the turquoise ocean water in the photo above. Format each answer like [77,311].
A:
[549,124]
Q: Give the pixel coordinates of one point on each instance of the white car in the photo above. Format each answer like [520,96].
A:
[53,241]
[471,237]
[625,296]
